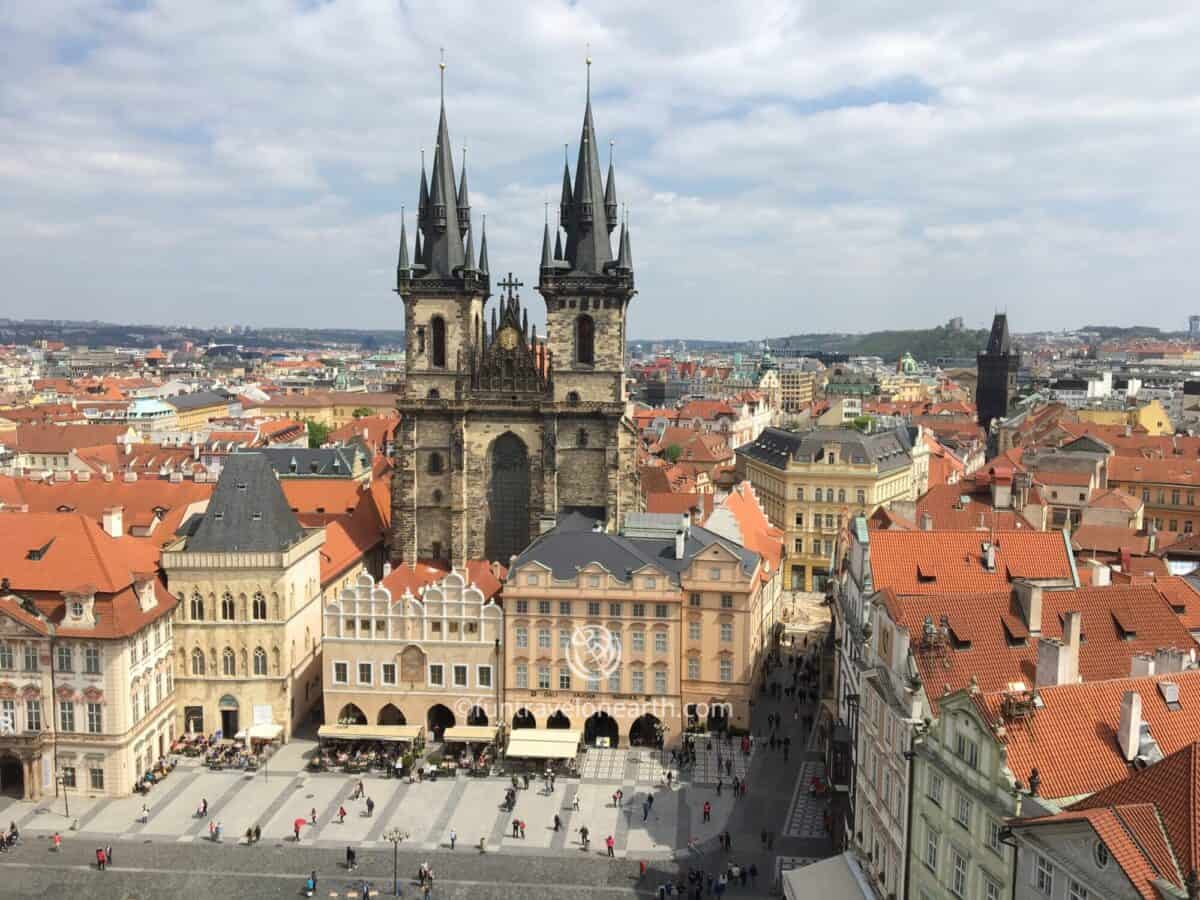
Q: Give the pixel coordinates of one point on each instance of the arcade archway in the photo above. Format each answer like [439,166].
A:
[438,720]
[601,728]
[523,719]
[644,731]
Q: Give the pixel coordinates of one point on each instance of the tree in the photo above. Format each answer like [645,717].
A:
[673,453]
[360,412]
[862,423]
[318,433]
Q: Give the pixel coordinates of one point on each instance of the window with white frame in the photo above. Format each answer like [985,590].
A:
[726,670]
[593,608]
[727,632]
[95,718]
[483,676]
[660,681]
[614,609]
[543,607]
[522,675]
[935,787]
[460,675]
[931,847]
[564,678]
[693,631]
[64,658]
[522,634]
[637,681]
[437,675]
[564,607]
[727,601]
[660,642]
[6,657]
[1076,891]
[593,682]
[33,715]
[993,837]
[365,673]
[543,678]
[341,672]
[260,661]
[962,810]
[991,890]
[967,750]
[522,606]
[544,638]
[1043,875]
[96,777]
[387,673]
[693,668]
[614,681]
[638,641]
[31,658]
[958,877]
[564,639]
[91,660]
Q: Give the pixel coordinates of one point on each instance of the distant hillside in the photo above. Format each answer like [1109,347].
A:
[924,344]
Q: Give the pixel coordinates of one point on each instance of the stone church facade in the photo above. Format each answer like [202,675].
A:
[501,432]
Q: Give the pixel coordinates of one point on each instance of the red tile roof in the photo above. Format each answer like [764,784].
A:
[65,438]
[1183,472]
[992,644]
[929,562]
[1183,597]
[951,512]
[1072,738]
[1109,539]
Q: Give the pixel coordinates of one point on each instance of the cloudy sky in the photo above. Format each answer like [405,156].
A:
[789,166]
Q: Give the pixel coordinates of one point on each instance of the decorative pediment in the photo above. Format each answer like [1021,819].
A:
[508,357]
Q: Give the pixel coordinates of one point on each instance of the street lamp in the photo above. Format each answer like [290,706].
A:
[66,802]
[395,835]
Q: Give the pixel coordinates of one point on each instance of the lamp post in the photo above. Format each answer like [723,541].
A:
[395,835]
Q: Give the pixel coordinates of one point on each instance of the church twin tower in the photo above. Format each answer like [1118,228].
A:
[501,432]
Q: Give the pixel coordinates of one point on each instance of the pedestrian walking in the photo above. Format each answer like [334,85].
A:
[610,844]
[257,834]
[522,829]
[145,813]
[575,803]
[370,807]
[516,823]
[707,811]
[584,835]
[557,822]
[57,841]
[763,836]
[100,858]
[313,816]
[453,838]
[351,859]
[313,879]
[719,782]
[366,890]
[341,815]
[108,855]
[645,810]
[728,841]
[753,874]
[217,831]
[296,830]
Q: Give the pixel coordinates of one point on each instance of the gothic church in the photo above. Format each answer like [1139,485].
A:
[501,432]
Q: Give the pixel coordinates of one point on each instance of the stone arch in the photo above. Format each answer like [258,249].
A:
[644,731]
[601,725]
[523,719]
[508,498]
[350,714]
[476,715]
[558,720]
[438,719]
[391,715]
[12,776]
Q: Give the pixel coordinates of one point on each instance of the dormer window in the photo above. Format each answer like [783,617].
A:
[76,609]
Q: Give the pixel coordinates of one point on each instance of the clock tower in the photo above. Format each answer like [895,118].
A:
[501,432]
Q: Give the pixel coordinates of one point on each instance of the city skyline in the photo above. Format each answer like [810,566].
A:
[914,166]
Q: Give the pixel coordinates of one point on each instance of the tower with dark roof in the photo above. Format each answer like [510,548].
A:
[501,432]
[997,379]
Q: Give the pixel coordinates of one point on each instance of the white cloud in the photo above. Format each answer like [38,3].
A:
[789,166]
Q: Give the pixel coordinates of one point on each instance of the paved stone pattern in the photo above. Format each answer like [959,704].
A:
[806,816]
[603,764]
[711,763]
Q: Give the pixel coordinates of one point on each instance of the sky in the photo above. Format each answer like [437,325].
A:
[787,166]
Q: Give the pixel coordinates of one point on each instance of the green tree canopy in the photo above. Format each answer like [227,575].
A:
[318,433]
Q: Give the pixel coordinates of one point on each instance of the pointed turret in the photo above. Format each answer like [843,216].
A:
[587,248]
[483,260]
[418,258]
[547,259]
[402,267]
[999,340]
[610,193]
[423,201]
[464,201]
[564,202]
[469,259]
[625,255]
[557,245]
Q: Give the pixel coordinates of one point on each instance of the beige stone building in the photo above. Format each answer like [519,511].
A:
[809,482]
[660,626]
[248,580]
[86,693]
[431,659]
[797,389]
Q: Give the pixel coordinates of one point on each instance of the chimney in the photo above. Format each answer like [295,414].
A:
[387,570]
[1101,576]
[112,520]
[1053,662]
[1029,595]
[989,556]
[1141,666]
[1168,659]
[686,524]
[1130,728]
[1152,539]
[680,540]
[926,523]
[1072,639]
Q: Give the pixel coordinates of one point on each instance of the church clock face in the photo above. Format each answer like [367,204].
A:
[508,338]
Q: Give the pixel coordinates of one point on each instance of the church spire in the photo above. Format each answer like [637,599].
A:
[423,201]
[483,260]
[610,192]
[469,259]
[464,200]
[625,255]
[547,258]
[564,204]
[587,247]
[403,267]
[443,233]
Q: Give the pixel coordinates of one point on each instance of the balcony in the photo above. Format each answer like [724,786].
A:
[25,745]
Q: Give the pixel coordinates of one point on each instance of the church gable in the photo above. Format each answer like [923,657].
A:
[511,359]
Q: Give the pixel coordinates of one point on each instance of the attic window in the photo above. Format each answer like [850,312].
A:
[241,485]
[256,517]
[219,516]
[1170,694]
[38,552]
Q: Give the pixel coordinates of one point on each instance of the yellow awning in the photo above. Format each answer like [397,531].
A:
[265,731]
[548,735]
[370,732]
[523,749]
[470,734]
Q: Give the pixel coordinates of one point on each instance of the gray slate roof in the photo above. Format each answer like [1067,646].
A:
[248,511]
[199,399]
[565,551]
[302,462]
[887,449]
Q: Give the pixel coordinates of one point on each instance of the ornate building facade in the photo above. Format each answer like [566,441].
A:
[501,432]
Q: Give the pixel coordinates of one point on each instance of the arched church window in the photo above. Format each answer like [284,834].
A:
[437,496]
[438,324]
[585,340]
[435,464]
[434,394]
[573,398]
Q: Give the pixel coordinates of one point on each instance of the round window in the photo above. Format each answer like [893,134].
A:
[1101,854]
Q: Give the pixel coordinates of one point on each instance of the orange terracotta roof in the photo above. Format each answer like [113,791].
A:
[1062,476]
[992,642]
[322,496]
[1183,472]
[679,503]
[65,438]
[1108,539]
[758,534]
[348,538]
[962,507]
[939,562]
[1183,597]
[1072,738]
[1114,499]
